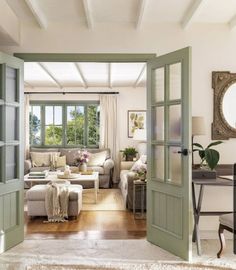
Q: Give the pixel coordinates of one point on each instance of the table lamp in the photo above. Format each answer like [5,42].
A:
[198,128]
[141,135]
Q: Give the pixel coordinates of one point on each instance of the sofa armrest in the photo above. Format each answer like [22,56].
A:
[108,165]
[27,166]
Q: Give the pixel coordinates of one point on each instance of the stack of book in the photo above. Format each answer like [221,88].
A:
[38,175]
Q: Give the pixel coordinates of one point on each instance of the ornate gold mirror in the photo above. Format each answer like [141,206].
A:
[224,121]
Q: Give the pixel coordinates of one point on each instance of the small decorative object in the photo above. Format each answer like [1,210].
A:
[129,153]
[136,120]
[67,171]
[81,160]
[209,157]
[83,167]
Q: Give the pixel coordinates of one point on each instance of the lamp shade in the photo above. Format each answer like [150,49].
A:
[140,134]
[198,126]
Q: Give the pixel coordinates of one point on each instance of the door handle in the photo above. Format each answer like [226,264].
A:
[183,152]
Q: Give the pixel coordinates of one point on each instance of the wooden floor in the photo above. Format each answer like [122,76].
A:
[89,225]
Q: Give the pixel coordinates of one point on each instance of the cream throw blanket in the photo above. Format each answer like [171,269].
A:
[56,202]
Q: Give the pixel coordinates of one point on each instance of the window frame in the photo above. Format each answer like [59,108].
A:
[64,105]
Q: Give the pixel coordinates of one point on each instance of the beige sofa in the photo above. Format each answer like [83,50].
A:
[126,185]
[105,170]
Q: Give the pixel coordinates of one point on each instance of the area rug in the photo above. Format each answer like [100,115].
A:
[110,254]
[148,266]
[108,199]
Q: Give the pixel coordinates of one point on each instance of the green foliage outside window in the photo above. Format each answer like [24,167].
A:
[79,126]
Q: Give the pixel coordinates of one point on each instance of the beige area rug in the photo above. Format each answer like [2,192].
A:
[108,199]
[109,255]
[160,266]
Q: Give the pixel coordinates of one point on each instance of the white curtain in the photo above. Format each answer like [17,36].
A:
[108,128]
[26,123]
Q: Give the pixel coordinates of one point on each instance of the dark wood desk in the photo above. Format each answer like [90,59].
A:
[197,204]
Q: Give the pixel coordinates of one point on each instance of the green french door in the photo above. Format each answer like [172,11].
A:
[11,152]
[169,217]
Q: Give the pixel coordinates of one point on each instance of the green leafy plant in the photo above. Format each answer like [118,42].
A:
[208,156]
[129,153]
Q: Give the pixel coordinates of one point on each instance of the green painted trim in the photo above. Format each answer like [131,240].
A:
[11,191]
[87,57]
[180,243]
[64,105]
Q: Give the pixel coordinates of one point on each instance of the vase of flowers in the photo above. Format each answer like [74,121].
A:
[81,160]
[142,172]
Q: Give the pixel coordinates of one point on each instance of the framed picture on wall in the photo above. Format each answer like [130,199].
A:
[136,120]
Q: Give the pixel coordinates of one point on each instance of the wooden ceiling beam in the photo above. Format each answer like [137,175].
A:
[191,13]
[38,13]
[85,83]
[142,6]
[50,74]
[88,14]
[139,76]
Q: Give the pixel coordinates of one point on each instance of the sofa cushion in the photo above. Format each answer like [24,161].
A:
[70,155]
[96,150]
[97,159]
[37,192]
[42,159]
[60,162]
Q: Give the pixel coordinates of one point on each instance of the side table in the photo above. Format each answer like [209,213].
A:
[139,184]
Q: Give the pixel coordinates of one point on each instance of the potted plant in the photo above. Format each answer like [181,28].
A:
[209,157]
[129,153]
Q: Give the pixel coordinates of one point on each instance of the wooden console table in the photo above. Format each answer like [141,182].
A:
[197,204]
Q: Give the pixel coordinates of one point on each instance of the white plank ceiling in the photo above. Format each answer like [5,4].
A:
[85,75]
[135,12]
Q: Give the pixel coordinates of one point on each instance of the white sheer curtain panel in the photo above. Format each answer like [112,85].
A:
[108,127]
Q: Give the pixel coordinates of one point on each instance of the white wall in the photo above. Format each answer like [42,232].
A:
[128,99]
[213,48]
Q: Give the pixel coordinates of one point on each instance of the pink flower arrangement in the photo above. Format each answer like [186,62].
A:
[82,157]
[142,169]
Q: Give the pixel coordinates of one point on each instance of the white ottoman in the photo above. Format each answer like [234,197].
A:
[36,200]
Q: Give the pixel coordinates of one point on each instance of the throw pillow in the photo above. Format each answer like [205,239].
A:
[60,162]
[42,159]
[97,159]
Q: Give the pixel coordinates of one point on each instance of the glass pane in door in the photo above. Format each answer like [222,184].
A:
[11,162]
[11,124]
[158,163]
[11,85]
[175,122]
[159,123]
[175,168]
[159,84]
[175,81]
